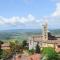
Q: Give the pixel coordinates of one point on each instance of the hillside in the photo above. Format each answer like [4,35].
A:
[23,34]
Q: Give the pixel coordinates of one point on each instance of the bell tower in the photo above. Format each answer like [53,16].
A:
[45,31]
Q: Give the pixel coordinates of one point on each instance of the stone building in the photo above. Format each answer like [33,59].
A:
[45,39]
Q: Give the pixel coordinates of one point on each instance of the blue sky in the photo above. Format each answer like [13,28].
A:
[37,8]
[18,14]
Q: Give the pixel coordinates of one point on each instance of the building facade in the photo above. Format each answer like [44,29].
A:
[44,39]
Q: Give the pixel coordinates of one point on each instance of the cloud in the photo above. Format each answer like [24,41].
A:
[57,10]
[28,21]
[14,20]
[54,18]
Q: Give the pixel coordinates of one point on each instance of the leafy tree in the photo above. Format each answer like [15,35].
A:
[50,53]
[37,48]
[1,42]
[15,47]
[1,51]
[12,46]
[24,44]
[51,37]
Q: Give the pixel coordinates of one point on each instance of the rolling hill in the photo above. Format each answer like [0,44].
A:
[23,34]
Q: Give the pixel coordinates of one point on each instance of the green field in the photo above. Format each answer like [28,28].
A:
[23,34]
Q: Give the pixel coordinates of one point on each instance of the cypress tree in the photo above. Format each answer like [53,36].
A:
[37,49]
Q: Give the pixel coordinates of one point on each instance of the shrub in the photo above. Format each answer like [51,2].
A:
[31,51]
[51,53]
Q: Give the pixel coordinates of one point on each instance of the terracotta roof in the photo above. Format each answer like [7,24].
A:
[5,46]
[37,38]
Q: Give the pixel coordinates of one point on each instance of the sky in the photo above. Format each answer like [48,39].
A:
[29,14]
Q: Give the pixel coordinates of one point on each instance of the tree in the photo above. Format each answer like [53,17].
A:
[1,51]
[50,53]
[37,48]
[15,47]
[24,44]
[51,37]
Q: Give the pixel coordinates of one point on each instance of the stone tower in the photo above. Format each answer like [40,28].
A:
[45,31]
